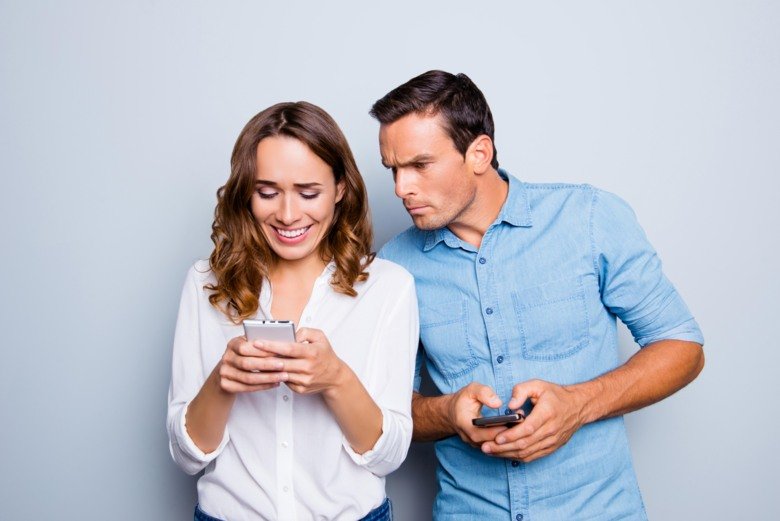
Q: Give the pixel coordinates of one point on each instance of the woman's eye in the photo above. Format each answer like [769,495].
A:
[266,195]
[312,195]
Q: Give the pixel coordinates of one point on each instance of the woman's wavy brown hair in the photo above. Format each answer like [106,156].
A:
[242,256]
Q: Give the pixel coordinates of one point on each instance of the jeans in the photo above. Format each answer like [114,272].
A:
[383,512]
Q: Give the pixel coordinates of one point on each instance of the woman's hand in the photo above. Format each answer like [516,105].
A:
[307,366]
[244,368]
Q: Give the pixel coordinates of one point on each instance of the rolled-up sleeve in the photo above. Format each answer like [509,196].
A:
[391,378]
[187,377]
[632,283]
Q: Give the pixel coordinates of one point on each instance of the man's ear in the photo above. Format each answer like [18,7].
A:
[480,154]
[340,189]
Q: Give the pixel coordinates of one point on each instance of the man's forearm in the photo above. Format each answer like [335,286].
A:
[430,417]
[655,372]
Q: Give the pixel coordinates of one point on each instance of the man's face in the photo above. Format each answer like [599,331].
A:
[432,178]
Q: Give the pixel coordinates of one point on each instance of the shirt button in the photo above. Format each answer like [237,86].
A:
[489,311]
[285,444]
[285,397]
[286,488]
[515,463]
[500,359]
[482,260]
[519,517]
[507,411]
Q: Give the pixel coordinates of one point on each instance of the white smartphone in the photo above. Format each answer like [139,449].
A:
[274,330]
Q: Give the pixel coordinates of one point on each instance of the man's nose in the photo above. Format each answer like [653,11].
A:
[404,183]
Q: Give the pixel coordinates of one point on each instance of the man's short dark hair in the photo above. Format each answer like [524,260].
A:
[462,105]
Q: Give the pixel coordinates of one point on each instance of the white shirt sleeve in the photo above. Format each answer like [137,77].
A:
[187,377]
[390,383]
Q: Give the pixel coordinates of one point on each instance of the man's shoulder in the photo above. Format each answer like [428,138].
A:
[577,201]
[560,190]
[566,191]
[402,246]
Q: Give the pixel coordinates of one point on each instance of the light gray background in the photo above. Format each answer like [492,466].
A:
[116,125]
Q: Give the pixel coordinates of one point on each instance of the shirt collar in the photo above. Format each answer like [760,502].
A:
[516,211]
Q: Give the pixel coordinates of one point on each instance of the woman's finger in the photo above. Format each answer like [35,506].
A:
[250,378]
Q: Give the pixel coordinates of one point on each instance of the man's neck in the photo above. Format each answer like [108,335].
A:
[470,226]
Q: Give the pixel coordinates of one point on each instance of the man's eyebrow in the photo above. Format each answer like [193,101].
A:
[264,182]
[419,158]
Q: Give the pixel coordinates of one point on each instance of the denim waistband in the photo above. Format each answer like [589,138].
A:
[383,512]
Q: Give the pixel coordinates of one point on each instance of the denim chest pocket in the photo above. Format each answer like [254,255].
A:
[444,334]
[553,319]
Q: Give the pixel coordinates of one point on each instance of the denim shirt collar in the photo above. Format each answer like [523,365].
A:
[516,211]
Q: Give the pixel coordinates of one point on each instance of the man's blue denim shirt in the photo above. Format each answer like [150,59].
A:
[539,299]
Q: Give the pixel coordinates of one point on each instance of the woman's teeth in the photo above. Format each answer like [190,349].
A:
[291,234]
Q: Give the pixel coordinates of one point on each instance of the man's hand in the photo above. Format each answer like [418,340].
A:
[465,405]
[552,422]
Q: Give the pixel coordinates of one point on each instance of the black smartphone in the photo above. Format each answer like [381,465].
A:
[504,419]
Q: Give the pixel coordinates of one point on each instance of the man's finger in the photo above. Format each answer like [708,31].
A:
[479,435]
[526,428]
[537,450]
[487,396]
[521,392]
[522,446]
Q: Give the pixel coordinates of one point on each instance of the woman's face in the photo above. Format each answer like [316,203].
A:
[295,197]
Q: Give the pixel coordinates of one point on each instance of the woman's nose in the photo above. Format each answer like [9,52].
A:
[288,211]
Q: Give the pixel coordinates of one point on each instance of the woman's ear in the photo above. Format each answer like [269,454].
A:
[341,187]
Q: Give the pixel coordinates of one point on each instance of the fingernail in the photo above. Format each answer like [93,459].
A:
[258,344]
[500,440]
[486,449]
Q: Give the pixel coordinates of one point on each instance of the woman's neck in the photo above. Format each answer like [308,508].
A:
[308,268]
[292,283]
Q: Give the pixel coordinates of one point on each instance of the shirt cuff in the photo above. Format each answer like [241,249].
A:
[185,443]
[378,451]
[688,331]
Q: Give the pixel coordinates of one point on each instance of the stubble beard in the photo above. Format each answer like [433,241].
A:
[444,217]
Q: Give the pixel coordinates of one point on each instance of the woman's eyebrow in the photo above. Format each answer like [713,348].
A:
[264,182]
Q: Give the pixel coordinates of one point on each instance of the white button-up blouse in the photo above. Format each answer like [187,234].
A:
[283,455]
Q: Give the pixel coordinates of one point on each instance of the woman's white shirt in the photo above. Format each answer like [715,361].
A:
[283,455]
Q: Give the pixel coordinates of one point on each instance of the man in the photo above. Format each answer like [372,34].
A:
[519,287]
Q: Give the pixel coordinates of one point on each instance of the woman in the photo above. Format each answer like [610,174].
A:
[303,430]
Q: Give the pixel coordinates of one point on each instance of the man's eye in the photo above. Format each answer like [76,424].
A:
[420,166]
[311,195]
[266,195]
